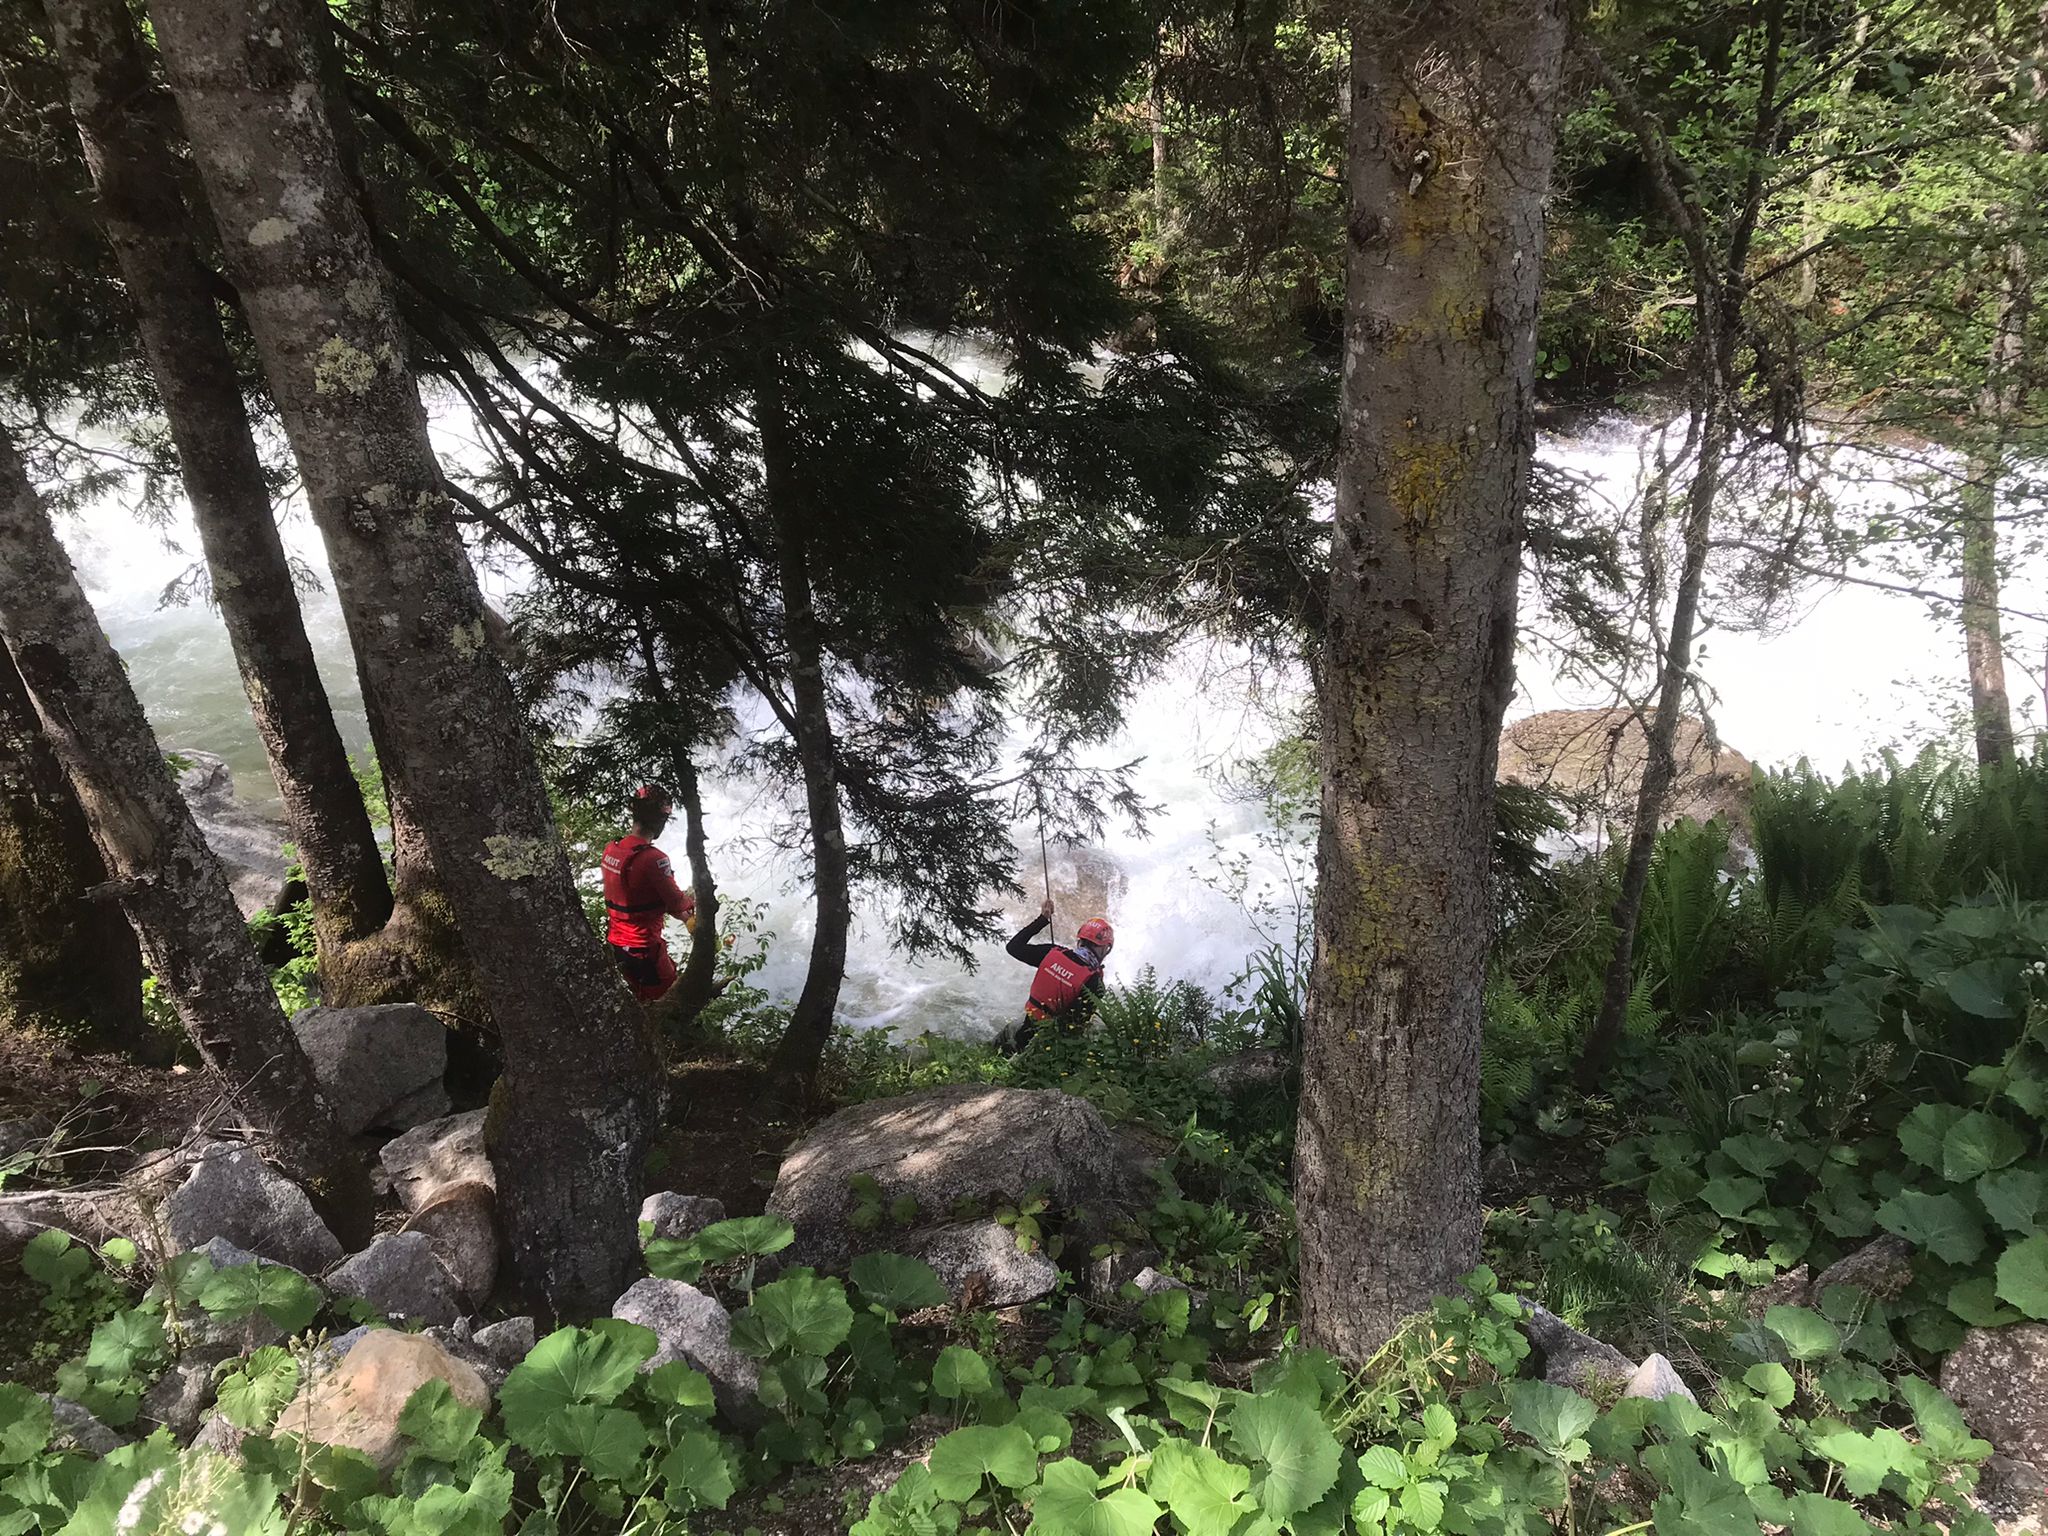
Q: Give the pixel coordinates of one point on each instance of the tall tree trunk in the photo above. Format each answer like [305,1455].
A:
[122,126]
[1660,749]
[170,884]
[802,1045]
[1998,403]
[699,982]
[418,955]
[575,1110]
[1451,139]
[66,964]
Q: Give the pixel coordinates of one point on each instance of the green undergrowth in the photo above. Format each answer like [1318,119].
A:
[1145,1414]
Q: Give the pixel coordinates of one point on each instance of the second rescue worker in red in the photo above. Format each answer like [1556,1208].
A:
[1069,978]
[641,894]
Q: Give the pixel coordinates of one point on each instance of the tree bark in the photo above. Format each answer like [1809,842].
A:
[170,884]
[574,1112]
[803,1043]
[123,132]
[699,982]
[67,965]
[1451,139]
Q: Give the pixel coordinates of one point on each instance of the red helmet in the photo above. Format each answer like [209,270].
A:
[1097,935]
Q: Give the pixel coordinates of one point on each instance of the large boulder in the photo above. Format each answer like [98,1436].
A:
[249,845]
[493,1350]
[433,1158]
[379,1067]
[233,1193]
[178,1400]
[1882,1269]
[981,1264]
[1999,1378]
[693,1328]
[400,1277]
[1566,1357]
[1593,760]
[461,1224]
[676,1217]
[952,1150]
[357,1403]
[75,1429]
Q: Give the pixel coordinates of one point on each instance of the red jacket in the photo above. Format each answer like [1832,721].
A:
[640,893]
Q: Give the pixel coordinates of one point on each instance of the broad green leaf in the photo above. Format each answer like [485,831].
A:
[800,1315]
[344,1470]
[1066,1505]
[608,1441]
[960,1372]
[677,1385]
[742,1237]
[1978,1143]
[1300,1454]
[254,1396]
[1421,1505]
[2014,1197]
[283,1295]
[1383,1466]
[1980,987]
[1940,1422]
[1760,1155]
[1922,1133]
[1865,1459]
[25,1424]
[697,1472]
[1554,1417]
[1439,1425]
[570,1365]
[960,1460]
[2023,1275]
[1941,1224]
[1205,1492]
[124,1341]
[1814,1514]
[1732,1197]
[54,1262]
[1370,1507]
[1806,1335]
[441,1426]
[1772,1382]
[1976,1302]
[898,1284]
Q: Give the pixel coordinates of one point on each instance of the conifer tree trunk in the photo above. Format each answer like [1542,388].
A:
[122,126]
[1451,139]
[573,1114]
[803,1043]
[67,965]
[699,982]
[171,885]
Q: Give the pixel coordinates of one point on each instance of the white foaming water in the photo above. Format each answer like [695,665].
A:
[1853,671]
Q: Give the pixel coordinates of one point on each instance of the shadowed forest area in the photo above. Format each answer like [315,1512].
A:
[708,516]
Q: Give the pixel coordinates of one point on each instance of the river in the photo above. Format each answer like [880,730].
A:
[1846,672]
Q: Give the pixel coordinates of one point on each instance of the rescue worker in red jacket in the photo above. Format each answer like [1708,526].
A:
[1069,978]
[641,894]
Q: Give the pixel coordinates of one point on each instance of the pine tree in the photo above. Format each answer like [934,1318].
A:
[1452,133]
[168,880]
[575,1108]
[124,127]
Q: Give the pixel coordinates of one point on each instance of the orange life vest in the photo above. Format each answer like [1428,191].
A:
[1062,977]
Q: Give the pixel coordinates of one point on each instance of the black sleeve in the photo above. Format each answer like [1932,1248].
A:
[1021,947]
